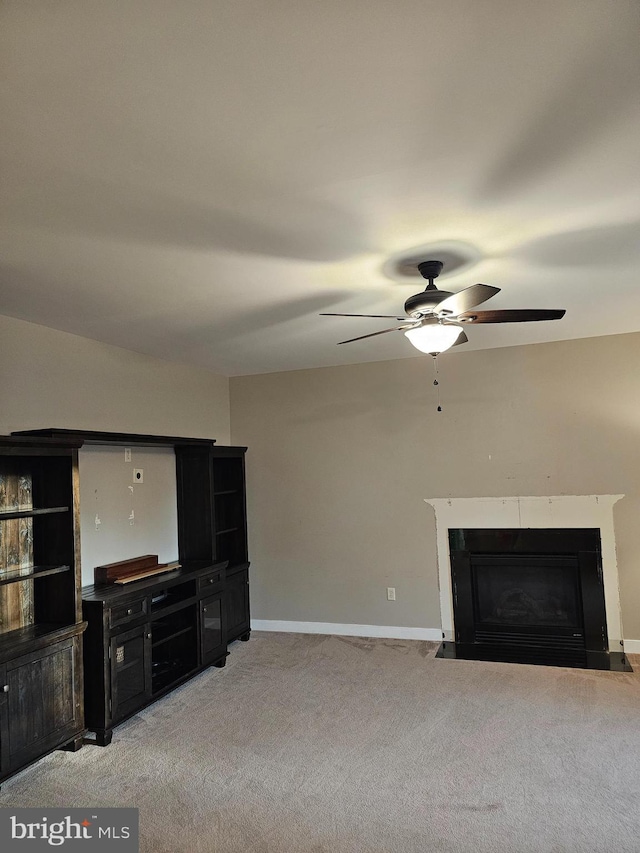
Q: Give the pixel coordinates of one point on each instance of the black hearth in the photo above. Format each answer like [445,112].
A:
[530,596]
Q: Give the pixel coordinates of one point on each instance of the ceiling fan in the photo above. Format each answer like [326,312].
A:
[435,318]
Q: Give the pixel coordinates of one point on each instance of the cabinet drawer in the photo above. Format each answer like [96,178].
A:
[208,583]
[124,613]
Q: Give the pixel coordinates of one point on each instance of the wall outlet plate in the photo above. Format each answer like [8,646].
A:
[391,593]
[138,475]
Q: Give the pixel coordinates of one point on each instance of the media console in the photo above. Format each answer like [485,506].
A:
[147,637]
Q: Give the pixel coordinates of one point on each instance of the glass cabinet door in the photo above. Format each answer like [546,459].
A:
[212,637]
[237,604]
[130,670]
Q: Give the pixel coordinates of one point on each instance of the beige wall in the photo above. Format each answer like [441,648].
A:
[340,460]
[54,379]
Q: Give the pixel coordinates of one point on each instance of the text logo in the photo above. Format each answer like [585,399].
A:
[69,829]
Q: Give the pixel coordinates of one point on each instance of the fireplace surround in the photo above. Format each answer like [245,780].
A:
[532,580]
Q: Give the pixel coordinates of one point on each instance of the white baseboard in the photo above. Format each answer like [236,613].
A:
[348,630]
[383,631]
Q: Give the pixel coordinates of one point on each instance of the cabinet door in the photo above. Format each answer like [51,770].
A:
[4,716]
[130,655]
[237,604]
[212,634]
[42,706]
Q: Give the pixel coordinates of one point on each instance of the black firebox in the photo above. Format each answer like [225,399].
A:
[530,596]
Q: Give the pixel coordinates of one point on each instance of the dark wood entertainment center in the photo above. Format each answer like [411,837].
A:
[146,637]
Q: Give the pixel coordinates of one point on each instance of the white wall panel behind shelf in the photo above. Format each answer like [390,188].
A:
[108,492]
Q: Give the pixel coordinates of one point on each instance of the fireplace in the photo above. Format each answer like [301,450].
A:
[530,592]
[531,596]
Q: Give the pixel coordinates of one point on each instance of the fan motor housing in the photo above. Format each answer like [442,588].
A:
[425,302]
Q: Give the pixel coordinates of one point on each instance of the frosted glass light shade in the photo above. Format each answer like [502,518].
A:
[433,337]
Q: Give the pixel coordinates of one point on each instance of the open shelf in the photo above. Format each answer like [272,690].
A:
[6,514]
[174,598]
[17,575]
[168,673]
[173,635]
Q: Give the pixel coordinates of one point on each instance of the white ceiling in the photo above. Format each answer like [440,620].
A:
[198,179]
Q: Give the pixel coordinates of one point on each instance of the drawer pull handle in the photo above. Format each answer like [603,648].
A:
[204,609]
[149,635]
[129,611]
[5,688]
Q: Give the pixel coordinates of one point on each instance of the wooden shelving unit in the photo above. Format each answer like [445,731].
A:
[212,523]
[41,701]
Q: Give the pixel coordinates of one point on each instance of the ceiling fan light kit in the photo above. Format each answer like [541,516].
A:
[433,337]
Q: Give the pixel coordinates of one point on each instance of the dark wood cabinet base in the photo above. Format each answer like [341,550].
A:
[102,738]
[75,744]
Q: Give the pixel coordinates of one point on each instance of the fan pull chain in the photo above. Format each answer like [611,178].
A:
[435,379]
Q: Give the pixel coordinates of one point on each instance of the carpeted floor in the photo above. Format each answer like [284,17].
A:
[315,744]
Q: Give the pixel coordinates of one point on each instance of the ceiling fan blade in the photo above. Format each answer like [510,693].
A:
[373,334]
[466,299]
[374,316]
[524,315]
[461,340]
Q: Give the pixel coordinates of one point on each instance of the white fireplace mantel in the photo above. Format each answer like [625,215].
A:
[595,511]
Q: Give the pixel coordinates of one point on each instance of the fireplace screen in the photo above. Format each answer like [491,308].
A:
[526,591]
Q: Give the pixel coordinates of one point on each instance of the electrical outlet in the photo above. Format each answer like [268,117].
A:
[391,593]
[127,454]
[138,475]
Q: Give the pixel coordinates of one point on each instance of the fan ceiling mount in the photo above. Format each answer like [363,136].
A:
[435,317]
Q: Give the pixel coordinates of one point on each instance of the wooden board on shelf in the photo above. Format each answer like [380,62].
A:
[133,569]
[147,573]
[111,572]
